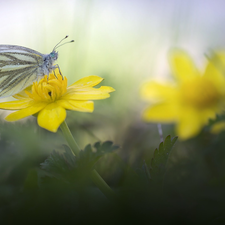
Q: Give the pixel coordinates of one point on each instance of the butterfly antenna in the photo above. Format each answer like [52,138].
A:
[57,46]
[60,42]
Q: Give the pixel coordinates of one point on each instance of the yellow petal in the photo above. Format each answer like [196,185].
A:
[215,72]
[81,106]
[26,111]
[51,117]
[89,81]
[218,59]
[23,94]
[18,104]
[106,89]
[161,113]
[88,93]
[189,124]
[154,91]
[182,65]
[209,113]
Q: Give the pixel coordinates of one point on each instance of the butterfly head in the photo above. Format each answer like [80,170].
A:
[49,59]
[53,55]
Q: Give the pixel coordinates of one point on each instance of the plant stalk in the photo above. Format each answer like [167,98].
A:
[96,178]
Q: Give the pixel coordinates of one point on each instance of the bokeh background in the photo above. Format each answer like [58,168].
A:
[126,43]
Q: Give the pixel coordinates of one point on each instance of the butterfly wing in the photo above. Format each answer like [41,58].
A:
[19,68]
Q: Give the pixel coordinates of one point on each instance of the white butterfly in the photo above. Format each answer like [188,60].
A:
[20,67]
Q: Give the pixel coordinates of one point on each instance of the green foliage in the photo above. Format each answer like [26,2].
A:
[58,164]
[217,119]
[160,158]
[66,164]
[63,192]
[89,156]
[155,168]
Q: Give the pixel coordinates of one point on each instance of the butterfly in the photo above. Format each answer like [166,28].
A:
[21,66]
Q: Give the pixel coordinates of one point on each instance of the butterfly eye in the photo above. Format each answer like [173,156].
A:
[52,54]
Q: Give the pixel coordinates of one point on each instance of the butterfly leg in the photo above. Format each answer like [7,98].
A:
[57,67]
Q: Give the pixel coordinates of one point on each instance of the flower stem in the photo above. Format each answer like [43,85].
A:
[69,138]
[96,178]
[102,185]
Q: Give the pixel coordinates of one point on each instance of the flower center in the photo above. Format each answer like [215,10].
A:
[200,93]
[49,88]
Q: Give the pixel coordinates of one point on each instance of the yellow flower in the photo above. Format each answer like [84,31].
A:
[218,127]
[191,100]
[50,97]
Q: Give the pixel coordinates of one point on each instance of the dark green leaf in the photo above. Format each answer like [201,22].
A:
[57,164]
[218,118]
[155,169]
[159,160]
[66,164]
[89,156]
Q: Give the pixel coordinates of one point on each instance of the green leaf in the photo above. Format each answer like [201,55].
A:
[90,155]
[66,165]
[57,164]
[154,169]
[218,118]
[160,158]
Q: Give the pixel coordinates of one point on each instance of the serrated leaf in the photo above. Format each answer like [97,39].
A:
[89,156]
[65,165]
[57,164]
[160,158]
[155,169]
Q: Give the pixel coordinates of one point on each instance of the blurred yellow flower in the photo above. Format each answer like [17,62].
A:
[50,97]
[191,100]
[218,127]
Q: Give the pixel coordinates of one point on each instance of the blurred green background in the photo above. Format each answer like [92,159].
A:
[126,43]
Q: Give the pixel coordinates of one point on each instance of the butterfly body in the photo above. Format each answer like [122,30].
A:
[20,67]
